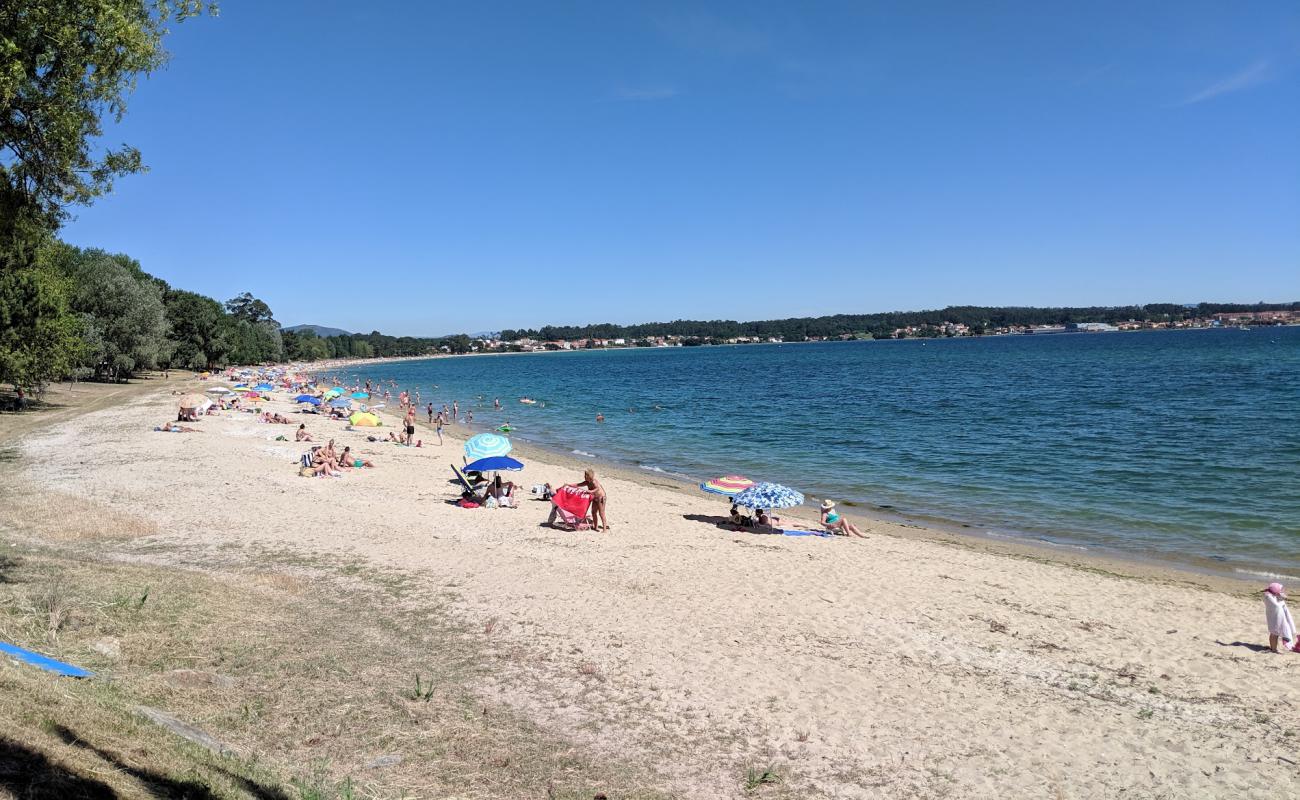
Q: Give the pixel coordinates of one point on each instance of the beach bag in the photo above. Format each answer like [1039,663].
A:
[305,472]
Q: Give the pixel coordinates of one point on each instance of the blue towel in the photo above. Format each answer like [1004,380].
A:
[38,660]
[805,533]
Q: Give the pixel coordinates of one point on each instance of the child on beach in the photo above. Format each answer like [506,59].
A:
[1280,625]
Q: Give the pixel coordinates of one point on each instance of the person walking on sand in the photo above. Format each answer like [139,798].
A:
[1280,625]
[834,522]
[438,423]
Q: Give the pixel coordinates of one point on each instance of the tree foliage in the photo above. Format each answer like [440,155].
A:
[65,67]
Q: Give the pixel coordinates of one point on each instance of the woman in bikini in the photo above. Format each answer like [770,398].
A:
[598,518]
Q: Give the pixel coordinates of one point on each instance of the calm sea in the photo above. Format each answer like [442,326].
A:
[1178,443]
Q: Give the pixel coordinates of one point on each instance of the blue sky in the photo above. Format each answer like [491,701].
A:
[427,168]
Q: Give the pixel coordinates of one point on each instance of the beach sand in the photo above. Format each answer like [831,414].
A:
[896,666]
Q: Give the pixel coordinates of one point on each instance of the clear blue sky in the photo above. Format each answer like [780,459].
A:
[428,168]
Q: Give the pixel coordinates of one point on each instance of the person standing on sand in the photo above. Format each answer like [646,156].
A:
[439,424]
[598,517]
[410,425]
[1280,625]
[430,413]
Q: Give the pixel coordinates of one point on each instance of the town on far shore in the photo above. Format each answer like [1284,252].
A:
[1239,319]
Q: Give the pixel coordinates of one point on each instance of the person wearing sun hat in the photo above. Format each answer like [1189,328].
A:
[1278,615]
[835,522]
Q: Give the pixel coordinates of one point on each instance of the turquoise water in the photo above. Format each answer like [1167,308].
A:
[1175,443]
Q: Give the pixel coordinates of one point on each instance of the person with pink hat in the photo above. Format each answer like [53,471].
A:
[1278,615]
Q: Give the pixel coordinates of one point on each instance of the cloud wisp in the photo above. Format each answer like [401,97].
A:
[1251,76]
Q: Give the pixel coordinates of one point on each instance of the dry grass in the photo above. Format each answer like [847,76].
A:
[311,684]
[60,516]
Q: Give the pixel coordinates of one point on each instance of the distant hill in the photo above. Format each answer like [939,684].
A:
[319,330]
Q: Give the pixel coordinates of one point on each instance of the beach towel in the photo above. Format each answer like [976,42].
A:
[572,505]
[1279,617]
[792,532]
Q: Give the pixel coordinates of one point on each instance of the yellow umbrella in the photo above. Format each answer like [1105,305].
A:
[241,389]
[364,419]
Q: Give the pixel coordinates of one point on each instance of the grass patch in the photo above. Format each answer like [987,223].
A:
[295,676]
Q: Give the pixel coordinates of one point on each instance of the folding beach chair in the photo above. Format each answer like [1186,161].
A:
[571,506]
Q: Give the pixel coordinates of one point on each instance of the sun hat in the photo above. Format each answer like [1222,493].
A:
[828,504]
[1275,588]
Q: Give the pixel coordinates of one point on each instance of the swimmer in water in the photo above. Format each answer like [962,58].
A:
[600,417]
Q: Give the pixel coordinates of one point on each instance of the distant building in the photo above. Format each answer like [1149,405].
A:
[1090,327]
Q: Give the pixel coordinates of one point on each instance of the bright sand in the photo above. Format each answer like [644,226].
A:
[897,666]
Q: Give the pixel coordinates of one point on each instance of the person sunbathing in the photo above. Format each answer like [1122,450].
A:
[302,435]
[176,427]
[348,460]
[834,522]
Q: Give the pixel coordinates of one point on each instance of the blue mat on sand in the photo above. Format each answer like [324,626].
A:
[38,660]
[805,533]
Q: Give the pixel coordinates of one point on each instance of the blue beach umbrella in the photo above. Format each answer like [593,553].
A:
[306,398]
[494,464]
[361,395]
[340,402]
[768,495]
[263,387]
[487,444]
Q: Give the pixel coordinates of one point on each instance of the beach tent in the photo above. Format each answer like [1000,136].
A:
[728,485]
[768,495]
[363,419]
[306,398]
[487,444]
[494,464]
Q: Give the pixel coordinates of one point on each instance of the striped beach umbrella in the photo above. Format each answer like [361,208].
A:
[729,485]
[768,495]
[486,445]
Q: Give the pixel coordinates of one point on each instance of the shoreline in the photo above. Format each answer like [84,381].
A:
[1156,566]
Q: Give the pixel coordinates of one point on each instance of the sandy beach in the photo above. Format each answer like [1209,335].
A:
[895,666]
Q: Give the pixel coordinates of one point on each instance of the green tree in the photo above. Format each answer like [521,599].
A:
[66,66]
[197,329]
[121,308]
[39,337]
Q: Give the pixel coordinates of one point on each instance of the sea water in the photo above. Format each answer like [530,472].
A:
[1165,443]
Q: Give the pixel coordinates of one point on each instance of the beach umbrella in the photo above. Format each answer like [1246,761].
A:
[487,444]
[494,464]
[219,390]
[340,402]
[241,389]
[331,394]
[194,401]
[252,396]
[263,387]
[307,398]
[338,389]
[360,396]
[768,495]
[729,485]
[363,419]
